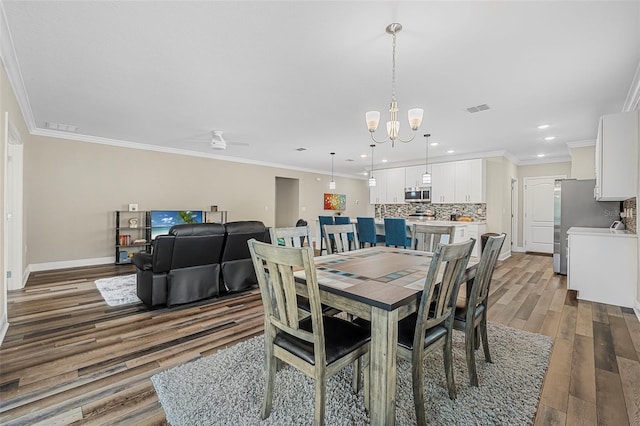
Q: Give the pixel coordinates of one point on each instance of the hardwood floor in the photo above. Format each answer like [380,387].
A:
[70,358]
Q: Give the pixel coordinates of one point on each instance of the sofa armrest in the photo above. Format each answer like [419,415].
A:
[142,260]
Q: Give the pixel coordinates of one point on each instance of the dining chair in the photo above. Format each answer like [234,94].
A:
[324,220]
[366,227]
[343,220]
[292,236]
[427,237]
[319,346]
[395,232]
[471,317]
[339,234]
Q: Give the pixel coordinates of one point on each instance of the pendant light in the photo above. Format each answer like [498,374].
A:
[426,177]
[372,180]
[393,125]
[332,184]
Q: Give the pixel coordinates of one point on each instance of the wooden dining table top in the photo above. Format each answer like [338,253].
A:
[385,277]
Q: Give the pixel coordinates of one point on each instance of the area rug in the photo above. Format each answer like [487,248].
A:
[120,290]
[226,388]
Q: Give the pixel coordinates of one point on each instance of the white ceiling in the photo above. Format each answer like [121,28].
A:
[284,75]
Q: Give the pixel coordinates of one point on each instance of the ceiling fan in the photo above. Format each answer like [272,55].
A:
[217,141]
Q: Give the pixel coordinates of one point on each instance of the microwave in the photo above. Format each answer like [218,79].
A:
[417,195]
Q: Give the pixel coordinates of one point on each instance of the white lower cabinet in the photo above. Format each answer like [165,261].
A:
[602,265]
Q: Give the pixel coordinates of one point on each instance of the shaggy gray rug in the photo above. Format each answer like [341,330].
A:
[120,290]
[226,388]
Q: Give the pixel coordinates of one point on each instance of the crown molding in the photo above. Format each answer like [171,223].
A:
[546,160]
[12,68]
[168,150]
[633,96]
[581,144]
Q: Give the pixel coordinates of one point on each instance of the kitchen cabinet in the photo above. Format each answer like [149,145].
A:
[617,157]
[458,182]
[602,265]
[443,183]
[413,176]
[389,187]
[378,193]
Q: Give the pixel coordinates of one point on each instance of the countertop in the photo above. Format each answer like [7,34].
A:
[600,232]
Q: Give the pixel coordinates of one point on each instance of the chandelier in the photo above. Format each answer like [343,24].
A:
[393,125]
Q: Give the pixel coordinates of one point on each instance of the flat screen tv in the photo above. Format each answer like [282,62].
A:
[163,220]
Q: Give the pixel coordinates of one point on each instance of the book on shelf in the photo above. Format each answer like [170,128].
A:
[139,241]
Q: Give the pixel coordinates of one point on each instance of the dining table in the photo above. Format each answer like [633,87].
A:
[383,285]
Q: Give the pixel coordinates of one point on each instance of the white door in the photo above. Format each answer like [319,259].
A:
[538,216]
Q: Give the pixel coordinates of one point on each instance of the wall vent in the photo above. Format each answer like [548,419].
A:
[478,108]
[60,127]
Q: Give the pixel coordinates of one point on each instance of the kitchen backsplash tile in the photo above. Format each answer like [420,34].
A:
[630,222]
[442,211]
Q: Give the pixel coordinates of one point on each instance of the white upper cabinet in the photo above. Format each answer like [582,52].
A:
[413,176]
[617,157]
[458,182]
[443,177]
[378,193]
[395,186]
[470,181]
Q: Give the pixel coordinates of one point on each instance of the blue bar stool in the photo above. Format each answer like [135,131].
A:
[395,232]
[367,231]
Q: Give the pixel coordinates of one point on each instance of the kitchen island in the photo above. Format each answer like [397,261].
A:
[602,265]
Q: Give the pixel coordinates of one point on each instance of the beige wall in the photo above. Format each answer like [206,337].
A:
[537,170]
[583,162]
[498,175]
[72,189]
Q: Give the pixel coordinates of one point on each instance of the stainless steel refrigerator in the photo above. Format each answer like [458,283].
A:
[574,205]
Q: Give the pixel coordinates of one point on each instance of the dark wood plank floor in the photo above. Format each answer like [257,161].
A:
[70,358]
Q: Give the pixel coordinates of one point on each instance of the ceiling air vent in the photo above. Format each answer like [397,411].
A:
[61,127]
[478,108]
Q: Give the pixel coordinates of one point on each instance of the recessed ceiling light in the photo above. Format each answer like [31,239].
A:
[451,151]
[301,149]
[434,144]
[384,160]
[544,126]
[363,155]
[549,138]
[349,159]
[540,155]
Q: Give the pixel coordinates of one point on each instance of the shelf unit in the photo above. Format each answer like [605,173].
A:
[123,228]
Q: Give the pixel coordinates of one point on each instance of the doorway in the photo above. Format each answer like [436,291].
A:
[514,215]
[538,213]
[287,201]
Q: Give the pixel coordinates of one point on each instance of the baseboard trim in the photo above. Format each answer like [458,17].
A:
[48,266]
[4,328]
[518,249]
[505,255]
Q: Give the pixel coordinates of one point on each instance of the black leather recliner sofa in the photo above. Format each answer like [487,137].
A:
[198,261]
[184,266]
[238,273]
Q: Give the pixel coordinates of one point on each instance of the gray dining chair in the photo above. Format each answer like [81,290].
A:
[426,237]
[341,238]
[294,236]
[318,345]
[471,317]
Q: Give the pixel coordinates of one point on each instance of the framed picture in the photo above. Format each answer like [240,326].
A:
[335,201]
